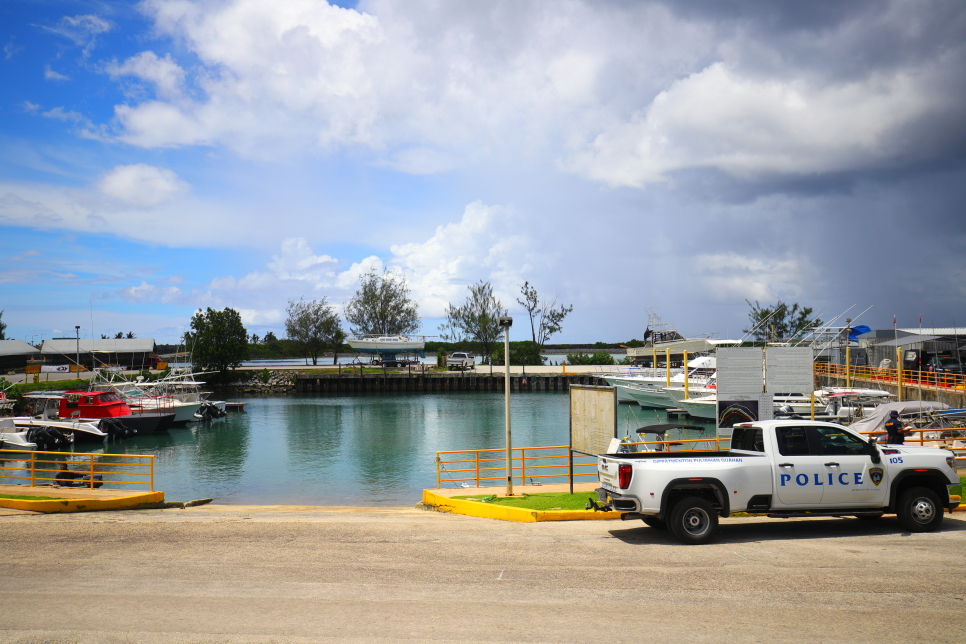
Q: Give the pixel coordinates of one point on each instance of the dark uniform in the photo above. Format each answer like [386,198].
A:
[894,434]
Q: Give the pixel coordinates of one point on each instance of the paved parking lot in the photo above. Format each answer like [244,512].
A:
[304,574]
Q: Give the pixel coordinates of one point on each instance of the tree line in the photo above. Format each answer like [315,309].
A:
[382,305]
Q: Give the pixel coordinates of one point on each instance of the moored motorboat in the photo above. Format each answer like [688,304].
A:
[103,408]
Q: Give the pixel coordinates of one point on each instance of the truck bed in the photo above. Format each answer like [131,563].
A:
[685,454]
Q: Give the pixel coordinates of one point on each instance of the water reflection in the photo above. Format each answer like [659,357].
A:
[348,450]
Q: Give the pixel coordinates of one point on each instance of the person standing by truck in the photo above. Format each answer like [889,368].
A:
[895,434]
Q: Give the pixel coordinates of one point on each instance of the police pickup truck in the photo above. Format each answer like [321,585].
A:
[784,468]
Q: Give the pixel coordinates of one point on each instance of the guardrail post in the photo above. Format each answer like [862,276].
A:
[570,467]
[91,482]
[523,466]
[151,461]
[33,470]
[477,452]
[437,471]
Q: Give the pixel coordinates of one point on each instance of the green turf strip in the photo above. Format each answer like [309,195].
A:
[547,501]
[19,497]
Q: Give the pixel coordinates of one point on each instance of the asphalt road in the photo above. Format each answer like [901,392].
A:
[264,574]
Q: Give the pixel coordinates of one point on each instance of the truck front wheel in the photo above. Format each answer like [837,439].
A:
[919,510]
[693,521]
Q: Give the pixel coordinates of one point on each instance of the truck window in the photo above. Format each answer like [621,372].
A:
[749,439]
[792,441]
[836,442]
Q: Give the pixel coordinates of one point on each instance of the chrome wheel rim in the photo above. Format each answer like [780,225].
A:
[696,521]
[923,510]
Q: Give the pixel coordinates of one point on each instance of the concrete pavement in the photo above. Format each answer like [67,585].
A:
[305,574]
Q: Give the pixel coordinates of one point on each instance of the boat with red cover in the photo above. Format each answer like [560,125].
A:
[99,405]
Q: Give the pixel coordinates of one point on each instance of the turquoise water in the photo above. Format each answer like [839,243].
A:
[347,450]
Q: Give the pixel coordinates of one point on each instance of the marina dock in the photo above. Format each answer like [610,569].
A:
[418,382]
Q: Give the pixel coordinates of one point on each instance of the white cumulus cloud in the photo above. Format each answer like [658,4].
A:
[141,185]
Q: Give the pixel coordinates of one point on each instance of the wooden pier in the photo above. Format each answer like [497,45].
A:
[389,382]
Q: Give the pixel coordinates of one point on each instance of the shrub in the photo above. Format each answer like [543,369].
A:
[600,357]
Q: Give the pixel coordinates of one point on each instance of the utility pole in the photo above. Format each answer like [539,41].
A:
[77,330]
[506,323]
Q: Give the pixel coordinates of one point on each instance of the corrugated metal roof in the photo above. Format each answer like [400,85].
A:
[68,346]
[16,348]
[907,340]
[949,330]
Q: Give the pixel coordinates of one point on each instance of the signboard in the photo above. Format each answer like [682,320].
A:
[789,370]
[740,383]
[593,418]
[739,370]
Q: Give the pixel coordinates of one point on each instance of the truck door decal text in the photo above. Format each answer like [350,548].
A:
[802,479]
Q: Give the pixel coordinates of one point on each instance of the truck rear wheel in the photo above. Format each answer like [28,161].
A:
[919,510]
[654,522]
[693,521]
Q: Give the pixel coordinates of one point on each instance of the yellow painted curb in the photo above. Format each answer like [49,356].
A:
[84,505]
[504,513]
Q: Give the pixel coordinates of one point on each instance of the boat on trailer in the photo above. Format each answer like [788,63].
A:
[388,348]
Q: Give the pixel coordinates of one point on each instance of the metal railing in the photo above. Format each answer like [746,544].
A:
[538,465]
[891,376]
[41,468]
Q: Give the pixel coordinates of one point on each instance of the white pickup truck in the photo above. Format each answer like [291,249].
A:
[784,468]
[461,361]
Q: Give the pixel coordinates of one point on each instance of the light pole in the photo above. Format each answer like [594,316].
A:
[505,323]
[77,330]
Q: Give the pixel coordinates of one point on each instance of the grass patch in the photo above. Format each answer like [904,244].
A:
[958,489]
[545,501]
[20,497]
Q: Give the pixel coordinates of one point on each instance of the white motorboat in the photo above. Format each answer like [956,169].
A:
[848,403]
[386,344]
[41,437]
[81,429]
[10,438]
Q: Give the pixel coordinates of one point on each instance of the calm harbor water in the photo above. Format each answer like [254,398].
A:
[347,450]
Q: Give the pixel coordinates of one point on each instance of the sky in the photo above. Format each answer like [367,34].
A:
[164,156]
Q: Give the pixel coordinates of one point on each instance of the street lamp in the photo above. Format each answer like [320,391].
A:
[505,323]
[77,330]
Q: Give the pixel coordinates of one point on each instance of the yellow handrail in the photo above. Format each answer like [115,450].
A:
[527,463]
[35,467]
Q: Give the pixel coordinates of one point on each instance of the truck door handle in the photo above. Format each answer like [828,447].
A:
[831,465]
[785,465]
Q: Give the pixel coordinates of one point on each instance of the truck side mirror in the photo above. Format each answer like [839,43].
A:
[873,451]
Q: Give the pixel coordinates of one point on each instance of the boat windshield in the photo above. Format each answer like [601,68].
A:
[109,398]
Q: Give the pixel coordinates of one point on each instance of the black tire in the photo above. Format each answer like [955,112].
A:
[693,521]
[654,522]
[919,510]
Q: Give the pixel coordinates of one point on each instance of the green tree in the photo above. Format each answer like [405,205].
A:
[269,337]
[781,322]
[600,357]
[524,352]
[315,326]
[382,305]
[475,318]
[3,327]
[217,340]
[546,318]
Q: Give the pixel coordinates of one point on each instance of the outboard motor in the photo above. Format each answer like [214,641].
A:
[209,410]
[115,428]
[48,438]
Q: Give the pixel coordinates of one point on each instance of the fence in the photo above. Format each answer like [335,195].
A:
[41,468]
[538,465]
[891,376]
